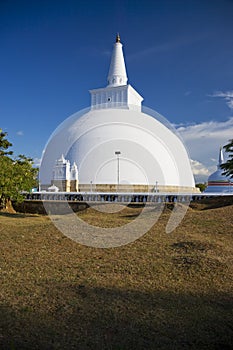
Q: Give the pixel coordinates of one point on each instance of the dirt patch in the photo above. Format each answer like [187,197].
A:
[191,246]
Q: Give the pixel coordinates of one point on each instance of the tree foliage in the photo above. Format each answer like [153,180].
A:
[16,173]
[228,165]
[201,186]
[4,144]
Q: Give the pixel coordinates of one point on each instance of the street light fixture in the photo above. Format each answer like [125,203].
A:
[118,153]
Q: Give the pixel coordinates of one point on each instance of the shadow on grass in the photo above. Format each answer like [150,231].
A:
[81,317]
[150,209]
[16,215]
[212,203]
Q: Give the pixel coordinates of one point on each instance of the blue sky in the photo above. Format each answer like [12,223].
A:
[178,55]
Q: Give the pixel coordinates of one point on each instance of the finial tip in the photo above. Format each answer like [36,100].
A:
[118,39]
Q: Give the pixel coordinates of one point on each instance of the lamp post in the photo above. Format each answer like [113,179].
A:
[156,186]
[117,153]
[91,185]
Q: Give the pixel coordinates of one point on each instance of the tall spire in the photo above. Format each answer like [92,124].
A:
[220,158]
[117,73]
[117,94]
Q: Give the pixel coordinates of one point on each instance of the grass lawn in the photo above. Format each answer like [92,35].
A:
[163,291]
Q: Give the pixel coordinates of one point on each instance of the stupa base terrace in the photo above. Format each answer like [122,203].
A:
[121,188]
[142,197]
[63,203]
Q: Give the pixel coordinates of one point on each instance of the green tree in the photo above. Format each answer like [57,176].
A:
[16,173]
[201,186]
[4,144]
[228,165]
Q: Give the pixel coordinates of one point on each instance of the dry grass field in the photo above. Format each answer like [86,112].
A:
[163,291]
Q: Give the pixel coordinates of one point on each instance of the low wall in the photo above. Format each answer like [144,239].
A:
[59,207]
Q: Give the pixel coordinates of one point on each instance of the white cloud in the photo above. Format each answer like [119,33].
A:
[19,133]
[200,171]
[227,96]
[203,141]
[198,168]
[37,162]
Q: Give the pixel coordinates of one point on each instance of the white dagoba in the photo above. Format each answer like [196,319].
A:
[118,141]
[218,182]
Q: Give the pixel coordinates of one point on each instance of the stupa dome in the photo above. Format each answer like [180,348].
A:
[218,182]
[218,176]
[117,142]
